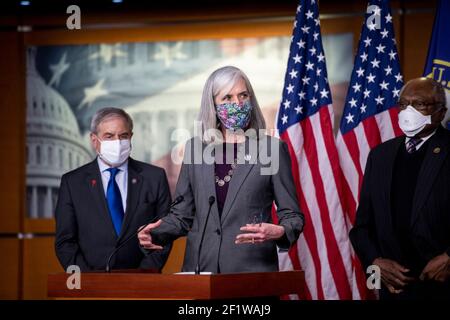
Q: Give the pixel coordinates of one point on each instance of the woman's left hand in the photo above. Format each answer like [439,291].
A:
[257,233]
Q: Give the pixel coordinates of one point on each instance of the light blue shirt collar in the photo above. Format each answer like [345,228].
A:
[103,166]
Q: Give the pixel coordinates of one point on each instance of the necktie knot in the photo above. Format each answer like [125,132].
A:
[113,172]
[412,144]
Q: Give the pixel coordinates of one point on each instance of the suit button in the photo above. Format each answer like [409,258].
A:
[218,232]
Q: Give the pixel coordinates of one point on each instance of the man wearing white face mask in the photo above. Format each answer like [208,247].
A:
[104,202]
[403,218]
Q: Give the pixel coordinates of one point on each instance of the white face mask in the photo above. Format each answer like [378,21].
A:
[115,152]
[412,121]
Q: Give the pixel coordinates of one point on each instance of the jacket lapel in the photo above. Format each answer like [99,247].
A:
[134,189]
[435,155]
[240,174]
[208,179]
[386,201]
[97,193]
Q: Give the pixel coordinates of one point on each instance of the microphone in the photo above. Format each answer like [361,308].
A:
[108,262]
[211,201]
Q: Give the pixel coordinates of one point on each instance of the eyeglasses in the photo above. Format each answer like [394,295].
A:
[418,105]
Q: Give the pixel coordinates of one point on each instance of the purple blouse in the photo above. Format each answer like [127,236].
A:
[229,153]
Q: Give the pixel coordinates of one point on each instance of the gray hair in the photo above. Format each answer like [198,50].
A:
[108,113]
[224,79]
[439,93]
[436,88]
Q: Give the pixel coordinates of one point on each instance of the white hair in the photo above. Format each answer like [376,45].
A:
[224,79]
[108,113]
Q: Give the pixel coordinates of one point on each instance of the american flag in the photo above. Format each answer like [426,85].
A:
[370,115]
[304,122]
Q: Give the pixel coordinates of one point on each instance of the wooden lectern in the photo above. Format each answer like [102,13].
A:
[141,285]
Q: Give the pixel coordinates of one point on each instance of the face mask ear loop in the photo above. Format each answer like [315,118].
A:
[98,152]
[435,111]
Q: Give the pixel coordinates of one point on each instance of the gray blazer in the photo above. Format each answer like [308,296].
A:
[249,193]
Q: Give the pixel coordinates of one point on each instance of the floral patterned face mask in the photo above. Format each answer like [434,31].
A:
[234,116]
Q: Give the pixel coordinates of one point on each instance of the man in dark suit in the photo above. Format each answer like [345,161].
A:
[403,219]
[102,203]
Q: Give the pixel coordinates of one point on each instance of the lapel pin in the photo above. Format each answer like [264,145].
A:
[247,157]
[134,181]
[436,150]
[93,182]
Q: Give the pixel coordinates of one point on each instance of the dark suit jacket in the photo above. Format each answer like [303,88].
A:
[373,235]
[249,193]
[85,234]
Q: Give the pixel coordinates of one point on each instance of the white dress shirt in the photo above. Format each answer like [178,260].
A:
[121,179]
[423,140]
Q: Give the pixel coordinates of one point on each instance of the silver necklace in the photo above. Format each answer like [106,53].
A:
[227,178]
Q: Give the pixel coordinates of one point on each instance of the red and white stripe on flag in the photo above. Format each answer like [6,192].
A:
[304,122]
[370,116]
[323,250]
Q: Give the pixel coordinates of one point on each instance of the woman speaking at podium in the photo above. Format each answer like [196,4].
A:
[230,177]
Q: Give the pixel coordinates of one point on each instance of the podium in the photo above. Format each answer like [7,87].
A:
[141,285]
